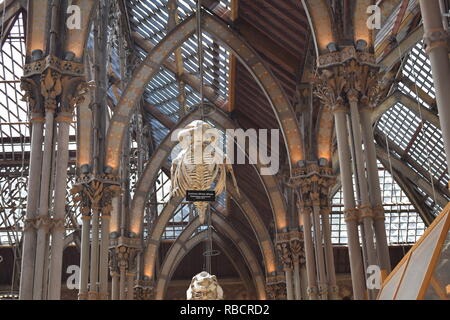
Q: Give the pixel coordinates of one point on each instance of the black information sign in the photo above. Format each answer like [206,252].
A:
[200,196]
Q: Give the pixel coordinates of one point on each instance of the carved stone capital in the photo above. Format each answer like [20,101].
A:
[95,194]
[31,95]
[51,88]
[322,289]
[298,251]
[51,62]
[44,222]
[285,254]
[344,55]
[366,212]
[29,224]
[144,290]
[348,76]
[378,213]
[435,38]
[351,215]
[59,224]
[313,185]
[123,255]
[124,259]
[276,291]
[353,95]
[312,292]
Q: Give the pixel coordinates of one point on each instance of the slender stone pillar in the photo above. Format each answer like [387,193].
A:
[62,160]
[375,192]
[436,42]
[289,284]
[84,259]
[122,283]
[329,257]
[285,254]
[365,207]
[104,253]
[115,286]
[95,249]
[309,254]
[297,281]
[29,233]
[322,279]
[349,203]
[297,249]
[130,286]
[44,221]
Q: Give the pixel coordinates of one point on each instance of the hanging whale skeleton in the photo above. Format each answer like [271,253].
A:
[201,165]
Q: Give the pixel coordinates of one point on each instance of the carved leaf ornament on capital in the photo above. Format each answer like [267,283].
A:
[342,74]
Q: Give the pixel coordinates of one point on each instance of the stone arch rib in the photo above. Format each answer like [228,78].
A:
[249,58]
[184,244]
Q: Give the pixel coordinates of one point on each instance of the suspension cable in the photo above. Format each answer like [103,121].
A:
[200,55]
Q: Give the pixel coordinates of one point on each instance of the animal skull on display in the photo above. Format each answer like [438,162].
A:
[204,287]
[200,164]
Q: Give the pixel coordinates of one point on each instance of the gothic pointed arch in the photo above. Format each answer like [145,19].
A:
[248,57]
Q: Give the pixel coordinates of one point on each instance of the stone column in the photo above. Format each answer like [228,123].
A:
[64,120]
[104,255]
[115,285]
[93,272]
[436,42]
[130,285]
[29,233]
[285,254]
[322,279]
[44,221]
[365,207]
[84,256]
[310,262]
[123,266]
[115,274]
[329,256]
[95,195]
[298,259]
[349,204]
[375,191]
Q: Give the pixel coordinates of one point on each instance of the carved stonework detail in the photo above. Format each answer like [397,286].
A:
[297,251]
[313,185]
[144,290]
[52,62]
[346,54]
[31,94]
[348,75]
[378,213]
[75,91]
[126,258]
[276,291]
[435,38]
[123,255]
[95,194]
[54,82]
[351,215]
[51,88]
[285,254]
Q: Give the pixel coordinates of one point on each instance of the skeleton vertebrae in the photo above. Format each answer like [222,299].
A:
[200,164]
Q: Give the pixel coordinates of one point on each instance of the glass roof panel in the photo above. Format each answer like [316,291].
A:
[403,223]
[150,19]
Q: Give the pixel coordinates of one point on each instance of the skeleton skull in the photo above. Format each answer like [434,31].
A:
[204,287]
